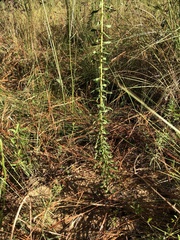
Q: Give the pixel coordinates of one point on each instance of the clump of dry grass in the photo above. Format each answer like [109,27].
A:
[52,188]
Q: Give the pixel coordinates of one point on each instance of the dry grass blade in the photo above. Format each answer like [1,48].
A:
[171,205]
[17,216]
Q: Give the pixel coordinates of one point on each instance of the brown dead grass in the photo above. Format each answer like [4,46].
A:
[65,198]
[50,162]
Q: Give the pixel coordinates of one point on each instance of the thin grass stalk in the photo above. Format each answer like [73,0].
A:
[48,28]
[70,56]
[70,5]
[2,182]
[129,92]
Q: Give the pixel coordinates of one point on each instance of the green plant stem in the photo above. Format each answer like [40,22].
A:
[101,63]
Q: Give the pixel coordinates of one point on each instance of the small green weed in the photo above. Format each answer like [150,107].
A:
[19,140]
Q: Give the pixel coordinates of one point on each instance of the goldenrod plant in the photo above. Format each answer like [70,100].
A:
[103,151]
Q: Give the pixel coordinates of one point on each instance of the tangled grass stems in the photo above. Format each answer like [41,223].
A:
[46,148]
[53,48]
